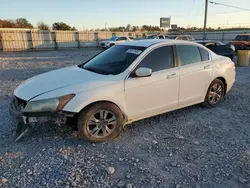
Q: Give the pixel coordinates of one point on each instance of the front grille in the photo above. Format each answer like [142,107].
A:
[19,103]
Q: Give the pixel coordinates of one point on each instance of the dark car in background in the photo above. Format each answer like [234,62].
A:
[242,42]
[219,48]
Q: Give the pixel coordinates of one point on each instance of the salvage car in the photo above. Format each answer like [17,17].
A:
[114,41]
[219,48]
[125,83]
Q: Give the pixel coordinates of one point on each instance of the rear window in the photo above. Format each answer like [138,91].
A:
[171,37]
[242,37]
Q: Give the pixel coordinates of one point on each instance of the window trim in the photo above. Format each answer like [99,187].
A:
[175,63]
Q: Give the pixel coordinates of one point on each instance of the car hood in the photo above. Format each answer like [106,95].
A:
[57,79]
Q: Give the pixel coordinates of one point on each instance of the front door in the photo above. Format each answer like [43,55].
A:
[148,96]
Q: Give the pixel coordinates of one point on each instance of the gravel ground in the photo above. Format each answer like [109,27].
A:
[192,147]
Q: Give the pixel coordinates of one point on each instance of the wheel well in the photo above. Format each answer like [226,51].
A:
[224,82]
[72,120]
[104,101]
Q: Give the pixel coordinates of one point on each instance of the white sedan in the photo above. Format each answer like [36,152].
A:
[123,84]
[109,43]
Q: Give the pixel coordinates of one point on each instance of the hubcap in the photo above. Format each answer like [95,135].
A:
[215,94]
[101,124]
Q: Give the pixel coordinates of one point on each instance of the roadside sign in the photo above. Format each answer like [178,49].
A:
[174,26]
[165,22]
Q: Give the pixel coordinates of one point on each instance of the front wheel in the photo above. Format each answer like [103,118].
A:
[215,93]
[100,122]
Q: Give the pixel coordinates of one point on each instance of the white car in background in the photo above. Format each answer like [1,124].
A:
[181,37]
[123,84]
[112,42]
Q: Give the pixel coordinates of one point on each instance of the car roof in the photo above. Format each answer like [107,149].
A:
[150,42]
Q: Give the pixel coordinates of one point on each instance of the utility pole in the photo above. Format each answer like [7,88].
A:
[205,21]
[106,30]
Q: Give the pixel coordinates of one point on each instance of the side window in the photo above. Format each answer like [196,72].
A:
[121,38]
[204,54]
[159,59]
[188,54]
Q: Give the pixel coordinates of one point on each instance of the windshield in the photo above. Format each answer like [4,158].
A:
[151,37]
[242,38]
[171,37]
[114,60]
[219,43]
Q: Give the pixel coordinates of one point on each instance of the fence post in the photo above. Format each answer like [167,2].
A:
[223,36]
[56,45]
[31,40]
[1,41]
[78,37]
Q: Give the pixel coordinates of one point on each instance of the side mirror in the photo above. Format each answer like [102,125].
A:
[143,72]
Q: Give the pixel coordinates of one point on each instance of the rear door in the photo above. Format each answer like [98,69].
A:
[195,73]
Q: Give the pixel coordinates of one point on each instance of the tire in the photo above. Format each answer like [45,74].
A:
[214,92]
[91,125]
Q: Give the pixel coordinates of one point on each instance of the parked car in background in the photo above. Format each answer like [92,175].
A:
[242,42]
[180,37]
[219,48]
[128,82]
[114,41]
[156,37]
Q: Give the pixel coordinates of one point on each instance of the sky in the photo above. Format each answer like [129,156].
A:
[92,14]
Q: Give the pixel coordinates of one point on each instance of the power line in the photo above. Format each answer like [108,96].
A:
[215,3]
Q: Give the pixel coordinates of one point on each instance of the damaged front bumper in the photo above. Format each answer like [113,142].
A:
[26,121]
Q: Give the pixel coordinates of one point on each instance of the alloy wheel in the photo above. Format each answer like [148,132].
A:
[215,93]
[101,124]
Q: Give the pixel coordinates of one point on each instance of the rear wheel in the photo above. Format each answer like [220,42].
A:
[215,93]
[100,122]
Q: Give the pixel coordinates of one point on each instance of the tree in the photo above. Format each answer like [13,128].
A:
[129,27]
[73,29]
[23,23]
[7,24]
[42,26]
[62,26]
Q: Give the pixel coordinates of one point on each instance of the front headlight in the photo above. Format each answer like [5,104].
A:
[48,105]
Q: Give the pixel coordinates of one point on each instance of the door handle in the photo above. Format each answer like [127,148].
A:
[171,75]
[207,66]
